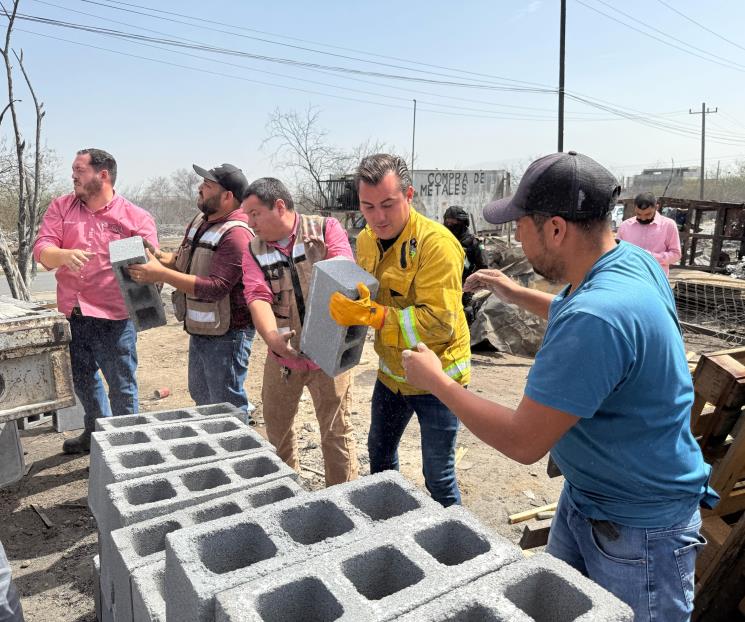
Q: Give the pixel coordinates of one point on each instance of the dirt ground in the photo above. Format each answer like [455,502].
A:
[52,566]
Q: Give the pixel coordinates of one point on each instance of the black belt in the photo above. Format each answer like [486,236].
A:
[76,312]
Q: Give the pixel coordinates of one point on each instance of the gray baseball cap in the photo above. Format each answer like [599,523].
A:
[570,185]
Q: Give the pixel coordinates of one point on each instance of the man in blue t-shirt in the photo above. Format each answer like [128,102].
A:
[609,393]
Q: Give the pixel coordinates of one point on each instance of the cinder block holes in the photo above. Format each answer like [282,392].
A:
[315,522]
[300,601]
[381,572]
[238,547]
[452,543]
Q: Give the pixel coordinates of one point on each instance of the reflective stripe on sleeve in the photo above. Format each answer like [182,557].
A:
[407,322]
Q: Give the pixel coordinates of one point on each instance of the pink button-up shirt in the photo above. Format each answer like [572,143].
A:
[68,224]
[660,238]
[255,286]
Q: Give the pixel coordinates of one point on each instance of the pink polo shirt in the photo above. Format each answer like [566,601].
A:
[255,286]
[660,238]
[68,224]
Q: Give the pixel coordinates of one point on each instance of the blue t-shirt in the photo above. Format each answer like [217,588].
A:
[613,355]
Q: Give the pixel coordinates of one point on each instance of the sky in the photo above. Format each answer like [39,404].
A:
[484,73]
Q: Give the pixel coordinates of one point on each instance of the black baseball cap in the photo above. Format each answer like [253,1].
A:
[228,176]
[570,185]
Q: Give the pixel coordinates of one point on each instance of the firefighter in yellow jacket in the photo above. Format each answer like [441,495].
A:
[419,264]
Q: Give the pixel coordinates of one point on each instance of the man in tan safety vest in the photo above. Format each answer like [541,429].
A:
[276,281]
[206,271]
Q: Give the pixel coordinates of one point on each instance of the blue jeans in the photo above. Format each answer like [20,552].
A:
[652,570]
[218,367]
[111,346]
[391,413]
[10,605]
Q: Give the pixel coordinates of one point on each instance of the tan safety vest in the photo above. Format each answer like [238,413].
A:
[194,256]
[289,276]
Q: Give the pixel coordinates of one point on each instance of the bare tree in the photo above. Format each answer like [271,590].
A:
[302,145]
[18,271]
[185,183]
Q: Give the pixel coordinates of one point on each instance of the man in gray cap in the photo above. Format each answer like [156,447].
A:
[206,271]
[609,393]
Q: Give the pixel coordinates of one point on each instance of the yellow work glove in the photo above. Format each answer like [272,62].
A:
[360,312]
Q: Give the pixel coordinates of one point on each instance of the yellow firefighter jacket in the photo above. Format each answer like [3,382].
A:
[420,283]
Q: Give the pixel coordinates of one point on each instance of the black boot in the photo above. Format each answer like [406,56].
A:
[78,445]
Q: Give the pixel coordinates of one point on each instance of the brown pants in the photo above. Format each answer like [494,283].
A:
[281,396]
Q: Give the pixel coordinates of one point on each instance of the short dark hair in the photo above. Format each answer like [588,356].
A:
[101,160]
[373,168]
[588,225]
[643,200]
[268,190]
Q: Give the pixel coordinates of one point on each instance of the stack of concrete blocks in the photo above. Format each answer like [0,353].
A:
[143,466]
[334,348]
[231,537]
[143,301]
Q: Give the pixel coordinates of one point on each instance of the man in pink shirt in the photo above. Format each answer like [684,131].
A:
[74,240]
[652,231]
[276,278]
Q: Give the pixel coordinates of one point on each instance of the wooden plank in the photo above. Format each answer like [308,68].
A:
[716,532]
[532,513]
[48,523]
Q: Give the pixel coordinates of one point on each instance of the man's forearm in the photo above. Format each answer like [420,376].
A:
[263,319]
[183,282]
[490,422]
[533,300]
[52,257]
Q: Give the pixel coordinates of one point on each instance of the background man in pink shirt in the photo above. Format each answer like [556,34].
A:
[652,231]
[276,278]
[74,239]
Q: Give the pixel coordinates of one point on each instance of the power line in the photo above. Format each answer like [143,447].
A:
[700,25]
[203,20]
[728,64]
[139,39]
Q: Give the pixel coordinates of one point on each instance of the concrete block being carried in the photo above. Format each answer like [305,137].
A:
[334,348]
[143,300]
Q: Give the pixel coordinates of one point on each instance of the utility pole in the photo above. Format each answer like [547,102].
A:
[413,138]
[703,113]
[562,47]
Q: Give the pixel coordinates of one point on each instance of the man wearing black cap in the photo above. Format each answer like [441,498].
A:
[456,220]
[207,273]
[609,393]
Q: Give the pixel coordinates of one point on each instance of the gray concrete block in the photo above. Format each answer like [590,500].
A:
[176,415]
[33,421]
[136,500]
[149,450]
[144,543]
[541,588]
[70,418]
[333,348]
[203,560]
[143,300]
[378,578]
[148,593]
[11,454]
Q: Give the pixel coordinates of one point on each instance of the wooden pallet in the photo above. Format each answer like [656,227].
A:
[719,379]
